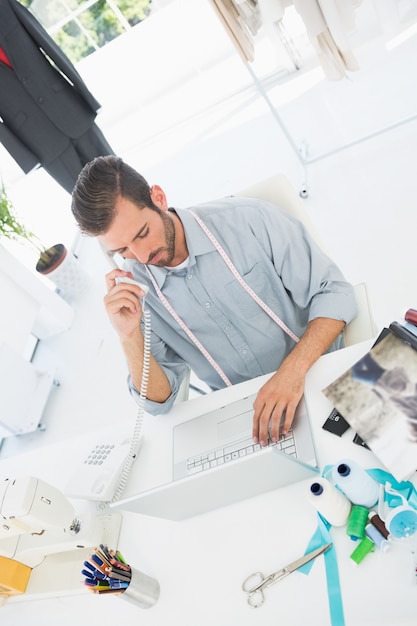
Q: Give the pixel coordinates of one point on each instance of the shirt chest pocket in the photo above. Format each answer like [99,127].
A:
[258,280]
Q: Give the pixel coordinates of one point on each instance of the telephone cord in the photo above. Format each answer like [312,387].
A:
[134,444]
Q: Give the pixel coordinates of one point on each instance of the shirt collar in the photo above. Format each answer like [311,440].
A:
[197,243]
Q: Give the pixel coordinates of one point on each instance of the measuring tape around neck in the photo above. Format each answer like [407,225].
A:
[245,286]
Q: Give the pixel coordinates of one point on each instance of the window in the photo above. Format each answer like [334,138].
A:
[79,27]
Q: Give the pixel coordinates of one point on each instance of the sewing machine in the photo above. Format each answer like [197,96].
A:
[37,520]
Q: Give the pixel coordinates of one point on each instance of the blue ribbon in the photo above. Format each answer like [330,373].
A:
[322,536]
[405,487]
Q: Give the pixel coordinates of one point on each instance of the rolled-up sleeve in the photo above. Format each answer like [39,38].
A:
[311,278]
[175,370]
[337,303]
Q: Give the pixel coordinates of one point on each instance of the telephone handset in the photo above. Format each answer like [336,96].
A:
[105,469]
[130,281]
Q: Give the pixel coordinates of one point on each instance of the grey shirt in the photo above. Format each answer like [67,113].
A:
[277,258]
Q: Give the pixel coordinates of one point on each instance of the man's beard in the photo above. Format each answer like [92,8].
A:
[169,249]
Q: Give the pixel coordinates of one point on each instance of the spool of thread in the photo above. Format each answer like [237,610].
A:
[356,483]
[402,521]
[329,502]
[376,521]
[357,521]
[365,547]
[373,533]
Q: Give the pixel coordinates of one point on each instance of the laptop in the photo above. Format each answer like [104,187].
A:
[215,463]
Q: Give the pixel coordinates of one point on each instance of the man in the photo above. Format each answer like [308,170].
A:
[207,270]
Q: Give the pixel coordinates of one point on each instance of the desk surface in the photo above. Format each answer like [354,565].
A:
[200,563]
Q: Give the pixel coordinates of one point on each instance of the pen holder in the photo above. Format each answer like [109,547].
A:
[142,590]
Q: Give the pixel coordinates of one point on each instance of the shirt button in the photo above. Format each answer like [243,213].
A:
[208,305]
[189,276]
[244,351]
[40,100]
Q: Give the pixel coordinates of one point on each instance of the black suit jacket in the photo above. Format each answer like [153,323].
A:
[44,104]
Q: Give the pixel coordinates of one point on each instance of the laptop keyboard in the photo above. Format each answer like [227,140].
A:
[237,450]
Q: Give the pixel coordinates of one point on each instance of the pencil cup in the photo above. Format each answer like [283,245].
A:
[142,590]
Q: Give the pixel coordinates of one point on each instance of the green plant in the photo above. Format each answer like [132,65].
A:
[12,228]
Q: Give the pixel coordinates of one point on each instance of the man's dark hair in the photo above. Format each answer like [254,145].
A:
[99,185]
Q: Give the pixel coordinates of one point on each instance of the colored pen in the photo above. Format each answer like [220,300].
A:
[119,565]
[93,571]
[100,591]
[106,571]
[118,584]
[116,576]
[97,560]
[96,583]
[120,557]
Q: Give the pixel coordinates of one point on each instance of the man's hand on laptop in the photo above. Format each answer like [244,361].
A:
[275,405]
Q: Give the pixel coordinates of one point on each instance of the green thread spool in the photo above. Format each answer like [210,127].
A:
[365,547]
[357,521]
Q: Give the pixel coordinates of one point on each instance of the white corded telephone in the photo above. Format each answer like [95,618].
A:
[104,472]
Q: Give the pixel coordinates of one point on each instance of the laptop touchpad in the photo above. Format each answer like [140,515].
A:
[236,426]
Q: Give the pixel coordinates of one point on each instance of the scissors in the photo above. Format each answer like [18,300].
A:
[255,584]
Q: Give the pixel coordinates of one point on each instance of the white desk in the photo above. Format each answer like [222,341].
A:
[200,563]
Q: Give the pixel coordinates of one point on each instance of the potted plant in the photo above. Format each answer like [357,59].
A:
[54,262]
